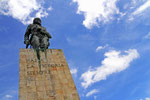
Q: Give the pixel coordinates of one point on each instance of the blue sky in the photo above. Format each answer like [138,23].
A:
[106,44]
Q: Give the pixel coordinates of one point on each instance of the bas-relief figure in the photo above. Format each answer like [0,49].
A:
[37,36]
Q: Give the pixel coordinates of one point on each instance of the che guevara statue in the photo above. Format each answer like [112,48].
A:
[37,36]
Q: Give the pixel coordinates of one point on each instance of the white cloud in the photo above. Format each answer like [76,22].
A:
[133,4]
[147,98]
[92,92]
[96,11]
[100,48]
[23,10]
[74,71]
[130,5]
[95,97]
[131,18]
[114,62]
[50,8]
[41,13]
[142,8]
[147,36]
[8,96]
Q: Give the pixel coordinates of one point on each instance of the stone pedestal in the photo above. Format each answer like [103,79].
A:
[46,79]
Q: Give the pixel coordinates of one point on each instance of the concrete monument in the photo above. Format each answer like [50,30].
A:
[44,75]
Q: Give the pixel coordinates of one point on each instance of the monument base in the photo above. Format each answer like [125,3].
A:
[47,78]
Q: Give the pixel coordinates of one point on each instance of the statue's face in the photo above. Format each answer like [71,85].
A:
[37,21]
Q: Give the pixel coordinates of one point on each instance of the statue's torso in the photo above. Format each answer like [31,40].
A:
[36,30]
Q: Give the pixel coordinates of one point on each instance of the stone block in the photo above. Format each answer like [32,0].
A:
[46,79]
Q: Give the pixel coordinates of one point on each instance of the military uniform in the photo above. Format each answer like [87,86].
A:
[37,36]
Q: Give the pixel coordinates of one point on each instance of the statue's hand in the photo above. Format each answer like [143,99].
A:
[26,42]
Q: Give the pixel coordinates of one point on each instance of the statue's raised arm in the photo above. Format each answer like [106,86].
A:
[36,35]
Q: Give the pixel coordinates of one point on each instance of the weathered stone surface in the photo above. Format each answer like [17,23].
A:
[49,79]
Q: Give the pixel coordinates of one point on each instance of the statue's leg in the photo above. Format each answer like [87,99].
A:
[44,43]
[35,42]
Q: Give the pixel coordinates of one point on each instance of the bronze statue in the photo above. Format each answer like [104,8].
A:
[37,36]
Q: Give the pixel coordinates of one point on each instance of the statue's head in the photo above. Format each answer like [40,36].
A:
[37,21]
